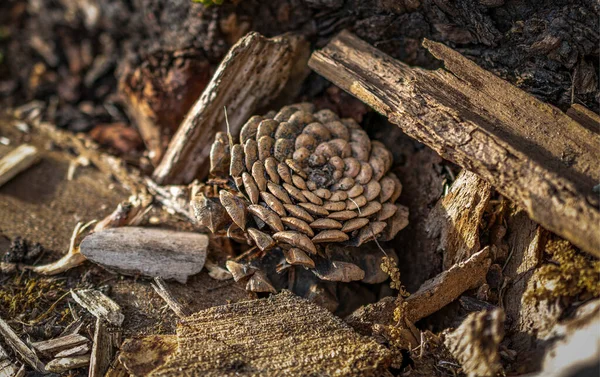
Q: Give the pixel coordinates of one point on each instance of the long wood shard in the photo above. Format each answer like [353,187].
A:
[530,151]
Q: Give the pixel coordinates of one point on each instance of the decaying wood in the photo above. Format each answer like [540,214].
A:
[7,367]
[475,343]
[50,348]
[585,117]
[161,288]
[16,161]
[99,305]
[160,91]
[102,350]
[456,218]
[253,73]
[148,251]
[530,151]
[64,364]
[13,341]
[446,287]
[281,335]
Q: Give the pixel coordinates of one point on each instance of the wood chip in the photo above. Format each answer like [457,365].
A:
[141,356]
[20,348]
[75,351]
[7,367]
[16,161]
[147,251]
[102,350]
[50,348]
[446,287]
[528,150]
[99,305]
[281,335]
[64,364]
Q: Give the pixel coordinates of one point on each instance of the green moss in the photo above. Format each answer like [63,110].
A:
[569,274]
[209,2]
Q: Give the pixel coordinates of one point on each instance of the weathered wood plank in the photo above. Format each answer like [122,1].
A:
[254,72]
[51,347]
[530,151]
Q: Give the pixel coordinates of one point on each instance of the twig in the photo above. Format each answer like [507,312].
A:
[161,288]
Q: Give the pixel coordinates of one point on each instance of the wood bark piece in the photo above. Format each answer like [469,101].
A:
[16,161]
[13,341]
[281,335]
[147,251]
[253,73]
[102,350]
[50,348]
[64,364]
[99,305]
[476,342]
[530,151]
[456,218]
[446,287]
[75,351]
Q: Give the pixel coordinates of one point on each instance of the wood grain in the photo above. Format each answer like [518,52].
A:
[529,150]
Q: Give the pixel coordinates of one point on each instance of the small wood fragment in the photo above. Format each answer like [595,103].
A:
[140,356]
[20,348]
[50,348]
[446,287]
[456,218]
[528,150]
[476,342]
[148,251]
[254,72]
[102,350]
[177,307]
[7,367]
[75,351]
[99,305]
[64,364]
[16,161]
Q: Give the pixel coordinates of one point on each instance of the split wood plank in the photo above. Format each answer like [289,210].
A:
[254,72]
[16,161]
[64,364]
[529,150]
[13,341]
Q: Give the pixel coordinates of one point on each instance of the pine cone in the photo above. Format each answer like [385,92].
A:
[298,182]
